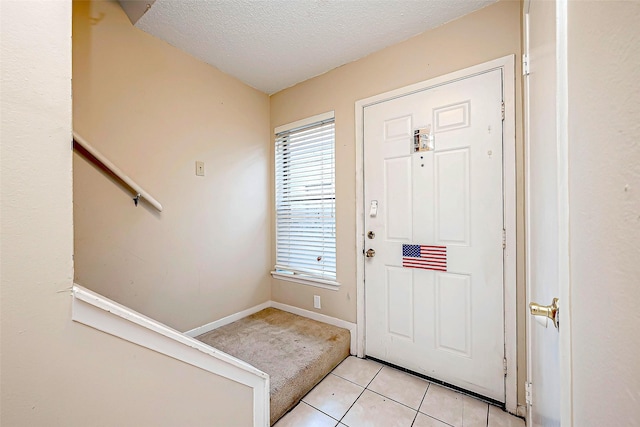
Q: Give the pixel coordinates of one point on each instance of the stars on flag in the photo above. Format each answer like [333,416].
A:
[425,256]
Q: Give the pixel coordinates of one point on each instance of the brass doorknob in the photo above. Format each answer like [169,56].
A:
[370,253]
[550,311]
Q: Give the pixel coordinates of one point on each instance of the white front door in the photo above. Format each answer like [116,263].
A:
[544,204]
[434,287]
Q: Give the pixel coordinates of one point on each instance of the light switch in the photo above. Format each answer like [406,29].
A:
[200,168]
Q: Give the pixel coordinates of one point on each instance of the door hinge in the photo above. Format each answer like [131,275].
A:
[504,366]
[525,64]
[504,238]
[502,110]
[528,393]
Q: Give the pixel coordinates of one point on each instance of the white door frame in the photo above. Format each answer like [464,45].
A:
[507,65]
[564,265]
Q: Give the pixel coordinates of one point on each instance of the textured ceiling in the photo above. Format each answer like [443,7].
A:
[273,44]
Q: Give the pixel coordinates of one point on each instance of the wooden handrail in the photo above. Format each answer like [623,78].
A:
[140,192]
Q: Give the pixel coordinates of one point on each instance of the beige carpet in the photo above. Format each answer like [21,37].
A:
[295,351]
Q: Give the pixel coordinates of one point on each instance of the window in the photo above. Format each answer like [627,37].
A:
[306,201]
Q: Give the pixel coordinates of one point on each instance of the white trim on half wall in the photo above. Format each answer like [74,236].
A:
[98,312]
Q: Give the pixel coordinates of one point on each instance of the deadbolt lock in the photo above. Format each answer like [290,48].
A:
[370,253]
[371,235]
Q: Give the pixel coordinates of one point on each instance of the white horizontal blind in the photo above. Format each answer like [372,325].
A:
[306,201]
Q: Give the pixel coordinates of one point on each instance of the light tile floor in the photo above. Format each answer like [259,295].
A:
[364,393]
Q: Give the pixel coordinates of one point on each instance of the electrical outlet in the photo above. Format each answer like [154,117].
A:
[200,168]
[316,301]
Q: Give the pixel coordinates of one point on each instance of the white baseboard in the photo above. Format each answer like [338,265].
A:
[321,318]
[226,320]
[351,327]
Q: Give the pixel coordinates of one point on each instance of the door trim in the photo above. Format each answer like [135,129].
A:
[527,198]
[564,263]
[507,65]
[562,169]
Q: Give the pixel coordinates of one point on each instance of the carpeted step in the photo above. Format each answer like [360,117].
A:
[295,351]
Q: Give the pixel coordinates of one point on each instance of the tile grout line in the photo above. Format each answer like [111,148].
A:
[420,405]
[374,377]
[487,415]
[463,395]
[440,383]
[322,412]
[348,409]
[438,420]
[298,405]
[434,417]
[352,382]
[361,393]
[429,383]
[318,409]
[330,416]
[393,400]
[464,408]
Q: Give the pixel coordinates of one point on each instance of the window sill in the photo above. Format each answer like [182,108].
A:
[309,281]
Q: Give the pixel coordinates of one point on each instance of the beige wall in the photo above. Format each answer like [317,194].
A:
[55,372]
[604,191]
[487,34]
[154,110]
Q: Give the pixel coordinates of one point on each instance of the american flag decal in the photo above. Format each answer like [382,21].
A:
[424,256]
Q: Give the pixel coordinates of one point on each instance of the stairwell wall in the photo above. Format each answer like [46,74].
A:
[154,111]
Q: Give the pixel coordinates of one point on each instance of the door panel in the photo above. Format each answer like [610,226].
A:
[400,302]
[452,197]
[397,174]
[397,129]
[453,313]
[451,117]
[444,318]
